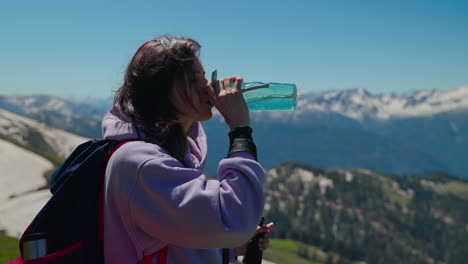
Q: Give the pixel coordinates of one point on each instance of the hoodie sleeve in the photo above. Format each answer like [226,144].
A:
[179,206]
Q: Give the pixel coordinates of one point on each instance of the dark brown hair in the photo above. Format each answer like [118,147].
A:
[145,94]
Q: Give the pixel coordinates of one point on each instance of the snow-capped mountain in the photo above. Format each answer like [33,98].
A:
[69,107]
[359,104]
[395,133]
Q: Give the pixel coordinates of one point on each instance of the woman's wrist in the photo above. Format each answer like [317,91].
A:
[233,126]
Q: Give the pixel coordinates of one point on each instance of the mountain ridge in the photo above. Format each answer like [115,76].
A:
[37,134]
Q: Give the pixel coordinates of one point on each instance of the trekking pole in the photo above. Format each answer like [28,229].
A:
[254,254]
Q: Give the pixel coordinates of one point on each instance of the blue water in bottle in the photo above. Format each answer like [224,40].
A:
[267,96]
[270,96]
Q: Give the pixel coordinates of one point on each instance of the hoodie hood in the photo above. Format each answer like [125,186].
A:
[116,126]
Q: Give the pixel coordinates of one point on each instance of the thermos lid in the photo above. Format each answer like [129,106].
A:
[35,236]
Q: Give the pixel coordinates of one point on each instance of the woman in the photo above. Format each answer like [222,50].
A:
[156,197]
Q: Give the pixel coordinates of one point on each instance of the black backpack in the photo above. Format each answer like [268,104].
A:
[71,221]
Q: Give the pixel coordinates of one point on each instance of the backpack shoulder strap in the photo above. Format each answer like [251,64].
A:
[101,188]
[160,254]
[80,154]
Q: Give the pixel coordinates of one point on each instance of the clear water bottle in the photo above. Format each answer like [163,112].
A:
[267,96]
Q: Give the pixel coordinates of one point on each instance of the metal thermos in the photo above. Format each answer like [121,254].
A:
[34,246]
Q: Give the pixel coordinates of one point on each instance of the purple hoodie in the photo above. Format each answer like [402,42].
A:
[152,200]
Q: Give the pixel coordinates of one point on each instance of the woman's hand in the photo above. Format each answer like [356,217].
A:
[263,242]
[230,102]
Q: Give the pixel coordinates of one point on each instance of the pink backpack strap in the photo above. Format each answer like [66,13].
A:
[16,261]
[161,254]
[101,191]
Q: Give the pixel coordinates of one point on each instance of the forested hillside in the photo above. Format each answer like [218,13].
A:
[364,215]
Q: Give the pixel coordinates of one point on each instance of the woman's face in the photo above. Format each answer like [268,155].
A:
[195,105]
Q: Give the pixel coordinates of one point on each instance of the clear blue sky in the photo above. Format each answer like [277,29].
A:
[82,47]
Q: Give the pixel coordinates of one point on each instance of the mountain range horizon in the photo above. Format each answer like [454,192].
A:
[408,133]
[408,98]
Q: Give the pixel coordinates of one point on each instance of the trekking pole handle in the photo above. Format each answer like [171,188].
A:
[254,255]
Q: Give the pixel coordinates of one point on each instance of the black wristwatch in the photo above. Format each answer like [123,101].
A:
[240,140]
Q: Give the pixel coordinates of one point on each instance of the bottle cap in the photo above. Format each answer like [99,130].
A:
[214,77]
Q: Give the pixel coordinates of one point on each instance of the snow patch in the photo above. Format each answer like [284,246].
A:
[324,183]
[308,177]
[17,213]
[348,176]
[22,174]
[305,175]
